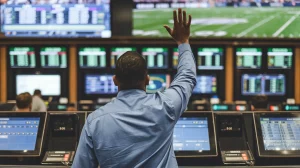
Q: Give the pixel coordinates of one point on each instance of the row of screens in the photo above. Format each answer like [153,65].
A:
[95,57]
[251,58]
[194,134]
[96,84]
[50,85]
[156,58]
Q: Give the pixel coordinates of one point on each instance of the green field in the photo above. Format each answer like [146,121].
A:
[224,22]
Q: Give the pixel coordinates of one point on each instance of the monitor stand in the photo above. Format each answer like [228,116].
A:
[232,139]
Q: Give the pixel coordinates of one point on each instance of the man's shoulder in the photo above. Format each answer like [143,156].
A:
[101,112]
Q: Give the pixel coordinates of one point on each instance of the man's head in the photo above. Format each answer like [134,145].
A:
[131,72]
[23,101]
[37,92]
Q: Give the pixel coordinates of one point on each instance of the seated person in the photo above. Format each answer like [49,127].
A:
[37,102]
[24,102]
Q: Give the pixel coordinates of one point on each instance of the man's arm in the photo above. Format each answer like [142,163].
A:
[182,86]
[85,155]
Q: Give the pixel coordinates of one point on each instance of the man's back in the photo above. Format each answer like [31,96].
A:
[38,104]
[134,130]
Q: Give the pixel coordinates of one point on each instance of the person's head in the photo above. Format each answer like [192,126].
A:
[24,101]
[37,92]
[131,72]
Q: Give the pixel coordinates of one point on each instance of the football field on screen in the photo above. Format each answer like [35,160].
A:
[224,22]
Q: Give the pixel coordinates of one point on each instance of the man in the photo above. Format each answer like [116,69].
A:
[136,129]
[23,102]
[37,102]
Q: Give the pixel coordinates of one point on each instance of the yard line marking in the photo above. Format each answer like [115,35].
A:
[286,25]
[255,26]
[225,27]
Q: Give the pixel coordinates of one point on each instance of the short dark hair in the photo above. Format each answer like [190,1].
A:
[131,70]
[37,92]
[23,100]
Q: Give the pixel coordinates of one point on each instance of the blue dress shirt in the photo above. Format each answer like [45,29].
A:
[136,129]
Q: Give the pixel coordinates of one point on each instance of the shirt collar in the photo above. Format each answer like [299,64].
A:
[129,92]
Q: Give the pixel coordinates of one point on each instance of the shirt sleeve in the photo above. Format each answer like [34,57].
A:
[182,86]
[85,155]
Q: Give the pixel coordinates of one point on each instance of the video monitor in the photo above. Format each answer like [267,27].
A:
[117,52]
[206,84]
[158,82]
[50,85]
[280,58]
[248,58]
[156,58]
[278,134]
[53,57]
[263,84]
[22,57]
[92,57]
[175,57]
[70,18]
[219,18]
[210,59]
[21,134]
[194,135]
[100,84]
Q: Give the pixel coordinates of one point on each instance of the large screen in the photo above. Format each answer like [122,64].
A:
[156,58]
[158,82]
[117,52]
[206,84]
[69,18]
[191,134]
[280,133]
[280,58]
[50,85]
[22,57]
[262,84]
[18,134]
[210,58]
[100,84]
[220,18]
[53,57]
[92,57]
[248,58]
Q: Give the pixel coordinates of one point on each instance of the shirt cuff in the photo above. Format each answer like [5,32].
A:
[184,47]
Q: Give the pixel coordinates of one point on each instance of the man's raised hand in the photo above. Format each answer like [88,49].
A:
[181,28]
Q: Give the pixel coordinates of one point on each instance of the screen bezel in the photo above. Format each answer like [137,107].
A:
[212,136]
[259,137]
[40,135]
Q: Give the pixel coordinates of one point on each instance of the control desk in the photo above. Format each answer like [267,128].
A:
[200,139]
